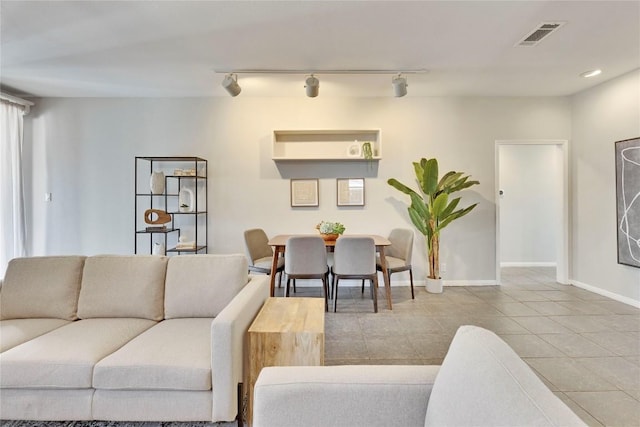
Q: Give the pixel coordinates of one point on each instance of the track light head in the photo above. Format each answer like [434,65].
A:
[230,84]
[312,86]
[399,85]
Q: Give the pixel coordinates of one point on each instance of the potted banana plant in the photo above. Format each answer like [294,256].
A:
[431,209]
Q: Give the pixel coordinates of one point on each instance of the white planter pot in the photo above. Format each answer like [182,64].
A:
[156,183]
[434,286]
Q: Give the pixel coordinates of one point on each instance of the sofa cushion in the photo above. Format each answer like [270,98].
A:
[17,331]
[173,355]
[41,287]
[65,357]
[123,286]
[203,285]
[483,382]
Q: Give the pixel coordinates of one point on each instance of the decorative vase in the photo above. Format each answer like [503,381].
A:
[186,201]
[434,286]
[156,183]
[329,237]
[158,249]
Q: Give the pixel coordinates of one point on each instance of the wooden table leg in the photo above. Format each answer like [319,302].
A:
[274,269]
[385,275]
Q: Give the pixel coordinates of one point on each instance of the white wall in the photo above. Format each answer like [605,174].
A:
[531,183]
[607,113]
[83,152]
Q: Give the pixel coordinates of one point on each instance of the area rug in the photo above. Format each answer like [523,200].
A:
[109,424]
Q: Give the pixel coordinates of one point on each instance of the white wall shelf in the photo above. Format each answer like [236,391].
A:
[328,144]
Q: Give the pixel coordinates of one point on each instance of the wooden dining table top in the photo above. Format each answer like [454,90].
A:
[281,239]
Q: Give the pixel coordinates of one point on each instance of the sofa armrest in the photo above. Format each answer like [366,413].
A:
[354,395]
[227,344]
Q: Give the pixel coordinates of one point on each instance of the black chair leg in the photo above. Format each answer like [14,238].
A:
[325,288]
[286,290]
[411,281]
[363,286]
[294,286]
[280,279]
[335,293]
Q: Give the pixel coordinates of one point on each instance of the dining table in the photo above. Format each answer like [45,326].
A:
[279,243]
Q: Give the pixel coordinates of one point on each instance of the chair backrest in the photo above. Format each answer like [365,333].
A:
[354,255]
[257,244]
[401,245]
[305,255]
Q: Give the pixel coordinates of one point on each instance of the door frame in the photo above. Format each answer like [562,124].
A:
[562,238]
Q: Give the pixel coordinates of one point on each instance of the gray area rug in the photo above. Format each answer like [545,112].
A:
[13,423]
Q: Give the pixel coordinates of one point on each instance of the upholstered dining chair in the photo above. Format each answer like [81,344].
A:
[355,258]
[305,257]
[261,254]
[398,254]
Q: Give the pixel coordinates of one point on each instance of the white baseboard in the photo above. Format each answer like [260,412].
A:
[605,293]
[528,264]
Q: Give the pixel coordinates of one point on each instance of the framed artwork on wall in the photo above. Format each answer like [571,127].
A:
[628,201]
[350,191]
[304,193]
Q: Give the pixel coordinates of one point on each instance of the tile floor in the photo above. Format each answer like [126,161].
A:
[585,347]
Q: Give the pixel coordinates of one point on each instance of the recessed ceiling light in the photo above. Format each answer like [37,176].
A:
[591,73]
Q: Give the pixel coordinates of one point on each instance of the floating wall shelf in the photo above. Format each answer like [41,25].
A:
[328,144]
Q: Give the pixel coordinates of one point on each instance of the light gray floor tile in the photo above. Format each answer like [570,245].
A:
[514,309]
[542,325]
[623,322]
[574,345]
[345,349]
[612,408]
[431,346]
[500,325]
[583,323]
[549,308]
[621,343]
[578,410]
[567,375]
[616,307]
[556,295]
[531,346]
[618,371]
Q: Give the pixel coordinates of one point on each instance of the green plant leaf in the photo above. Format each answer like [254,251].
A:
[457,214]
[430,177]
[418,220]
[450,208]
[400,186]
[439,205]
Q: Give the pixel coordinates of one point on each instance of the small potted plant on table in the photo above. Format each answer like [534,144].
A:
[330,230]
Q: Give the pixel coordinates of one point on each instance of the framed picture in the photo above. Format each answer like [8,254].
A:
[304,192]
[628,201]
[350,191]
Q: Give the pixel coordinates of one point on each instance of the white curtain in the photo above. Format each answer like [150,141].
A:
[12,212]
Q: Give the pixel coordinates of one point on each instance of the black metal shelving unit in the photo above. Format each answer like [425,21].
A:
[168,202]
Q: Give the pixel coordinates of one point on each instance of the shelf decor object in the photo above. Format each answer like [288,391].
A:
[350,191]
[170,202]
[156,183]
[304,193]
[326,145]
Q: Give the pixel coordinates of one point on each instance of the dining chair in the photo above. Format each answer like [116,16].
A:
[398,255]
[305,257]
[261,254]
[355,258]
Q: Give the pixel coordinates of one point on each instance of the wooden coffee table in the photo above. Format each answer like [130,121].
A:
[286,332]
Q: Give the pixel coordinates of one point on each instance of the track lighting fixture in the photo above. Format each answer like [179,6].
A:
[230,84]
[399,85]
[312,86]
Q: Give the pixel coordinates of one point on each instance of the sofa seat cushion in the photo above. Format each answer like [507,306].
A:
[65,357]
[39,287]
[173,355]
[483,382]
[203,285]
[17,331]
[123,286]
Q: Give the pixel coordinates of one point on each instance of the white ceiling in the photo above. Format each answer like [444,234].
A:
[171,48]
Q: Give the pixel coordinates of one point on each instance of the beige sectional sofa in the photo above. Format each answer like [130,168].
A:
[125,338]
[481,382]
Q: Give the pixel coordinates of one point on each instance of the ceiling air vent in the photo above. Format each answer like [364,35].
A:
[539,32]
